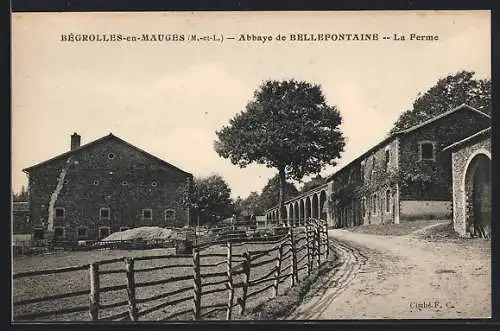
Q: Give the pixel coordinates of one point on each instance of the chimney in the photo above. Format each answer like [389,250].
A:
[75,141]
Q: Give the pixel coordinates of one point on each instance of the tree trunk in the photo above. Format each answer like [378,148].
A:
[281,204]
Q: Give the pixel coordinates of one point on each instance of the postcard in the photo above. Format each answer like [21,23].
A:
[264,165]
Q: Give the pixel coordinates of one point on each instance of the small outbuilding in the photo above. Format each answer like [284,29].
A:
[471,175]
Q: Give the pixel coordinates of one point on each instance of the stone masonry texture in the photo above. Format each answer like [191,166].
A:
[111,175]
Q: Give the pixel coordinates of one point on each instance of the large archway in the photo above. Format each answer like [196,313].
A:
[322,206]
[308,208]
[478,196]
[302,212]
[315,206]
[296,213]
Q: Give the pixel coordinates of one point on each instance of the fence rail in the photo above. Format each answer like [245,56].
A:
[242,276]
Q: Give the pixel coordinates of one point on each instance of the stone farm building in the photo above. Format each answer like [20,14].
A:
[101,187]
[471,163]
[404,177]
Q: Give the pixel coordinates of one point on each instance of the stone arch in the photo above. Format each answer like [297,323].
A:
[284,214]
[296,213]
[322,205]
[477,194]
[302,207]
[308,208]
[290,214]
[315,206]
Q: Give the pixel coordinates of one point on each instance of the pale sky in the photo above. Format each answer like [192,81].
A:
[169,98]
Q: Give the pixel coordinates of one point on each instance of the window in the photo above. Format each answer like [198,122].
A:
[111,156]
[58,232]
[387,158]
[59,212]
[427,150]
[387,201]
[169,215]
[373,167]
[96,182]
[154,183]
[104,231]
[374,204]
[82,232]
[147,214]
[104,213]
[124,228]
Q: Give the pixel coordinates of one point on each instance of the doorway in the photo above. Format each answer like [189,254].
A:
[103,232]
[478,193]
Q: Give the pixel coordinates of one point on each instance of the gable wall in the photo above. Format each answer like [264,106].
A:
[82,199]
[434,200]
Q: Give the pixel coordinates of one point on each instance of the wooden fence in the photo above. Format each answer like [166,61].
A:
[188,287]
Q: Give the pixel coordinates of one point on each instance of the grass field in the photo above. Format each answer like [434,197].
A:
[401,229]
[38,286]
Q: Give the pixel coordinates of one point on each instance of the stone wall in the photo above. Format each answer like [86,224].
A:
[377,181]
[460,161]
[108,175]
[443,132]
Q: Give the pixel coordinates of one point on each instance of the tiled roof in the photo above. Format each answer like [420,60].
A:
[483,133]
[98,141]
[409,130]
[462,106]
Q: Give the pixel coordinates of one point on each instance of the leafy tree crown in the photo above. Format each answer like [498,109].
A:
[448,93]
[287,125]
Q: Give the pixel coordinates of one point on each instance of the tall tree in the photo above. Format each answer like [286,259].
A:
[287,126]
[252,205]
[213,197]
[314,182]
[449,92]
[271,192]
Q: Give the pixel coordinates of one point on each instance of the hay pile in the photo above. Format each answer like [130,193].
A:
[143,233]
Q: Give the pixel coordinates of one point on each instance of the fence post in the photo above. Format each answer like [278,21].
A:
[318,246]
[294,275]
[94,291]
[132,308]
[308,250]
[229,281]
[277,271]
[327,241]
[314,252]
[246,281]
[196,284]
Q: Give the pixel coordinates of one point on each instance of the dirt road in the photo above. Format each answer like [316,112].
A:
[402,278]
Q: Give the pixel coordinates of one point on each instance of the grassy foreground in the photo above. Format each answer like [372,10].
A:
[32,287]
[283,305]
[401,229]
